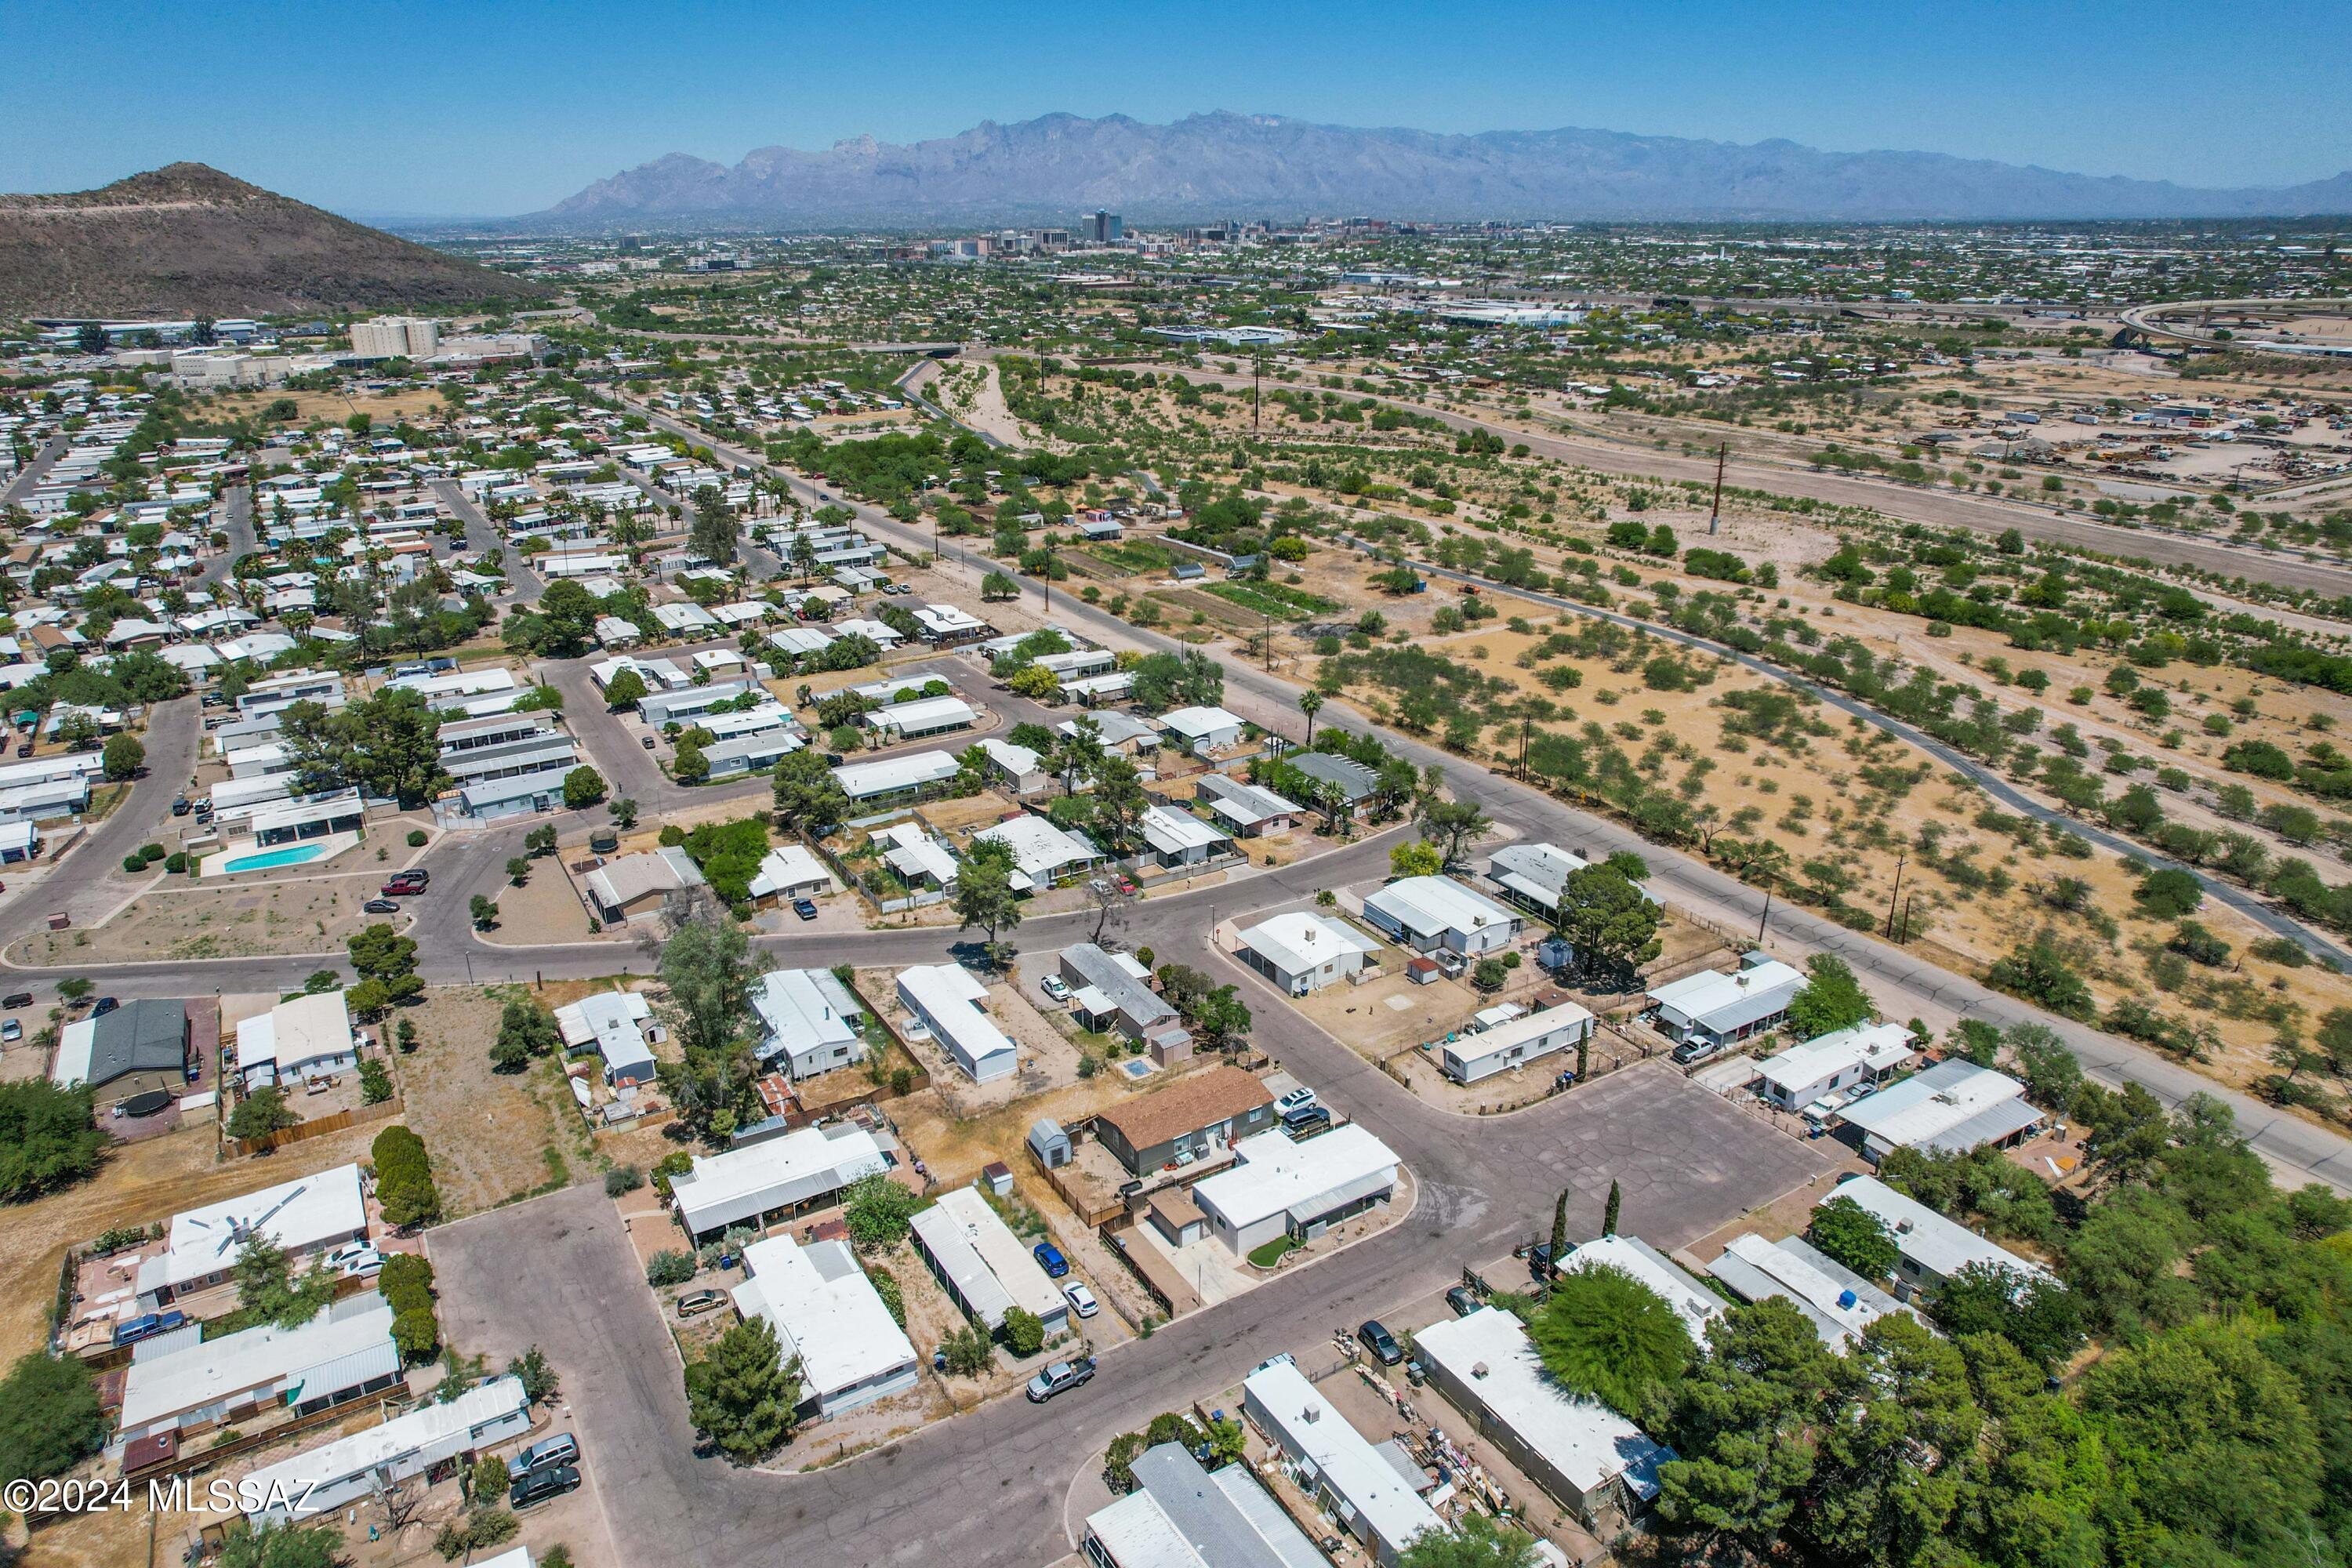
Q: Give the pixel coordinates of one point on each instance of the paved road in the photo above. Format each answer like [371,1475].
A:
[987,1487]
[1939,509]
[482,538]
[29,477]
[238,523]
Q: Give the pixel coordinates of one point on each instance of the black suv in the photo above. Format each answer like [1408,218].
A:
[540,1485]
[1375,1339]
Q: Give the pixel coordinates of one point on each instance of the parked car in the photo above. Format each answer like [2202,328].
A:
[17,999]
[1306,1122]
[1049,1258]
[379,907]
[1296,1100]
[1055,986]
[693,1303]
[403,883]
[805,908]
[364,1264]
[542,1485]
[104,1005]
[1082,1301]
[1375,1339]
[11,1031]
[1463,1299]
[143,1328]
[1691,1051]
[647,741]
[182,806]
[547,1454]
[1060,1378]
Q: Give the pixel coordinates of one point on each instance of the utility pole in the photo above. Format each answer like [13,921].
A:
[1257,366]
[1765,917]
[1525,725]
[1715,517]
[1896,893]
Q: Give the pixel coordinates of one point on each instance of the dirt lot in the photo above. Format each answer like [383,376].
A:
[545,910]
[179,921]
[1048,1061]
[493,1136]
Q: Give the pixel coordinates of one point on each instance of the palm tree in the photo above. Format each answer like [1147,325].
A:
[1310,702]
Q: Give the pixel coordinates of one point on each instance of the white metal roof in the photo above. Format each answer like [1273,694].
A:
[824,1311]
[861,780]
[1196,723]
[1297,942]
[804,1009]
[948,996]
[1040,848]
[723,1189]
[1839,1302]
[297,1216]
[402,1434]
[922,714]
[1489,1353]
[1942,1246]
[213,1369]
[1429,905]
[990,1269]
[1876,1045]
[1723,1002]
[788,865]
[1170,831]
[1933,1104]
[1311,1426]
[1519,1030]
[1305,1178]
[292,1033]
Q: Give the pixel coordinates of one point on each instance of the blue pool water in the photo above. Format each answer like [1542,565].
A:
[293,855]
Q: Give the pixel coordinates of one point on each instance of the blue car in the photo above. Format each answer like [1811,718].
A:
[1049,1258]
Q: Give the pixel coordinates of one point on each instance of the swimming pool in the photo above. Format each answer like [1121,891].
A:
[293,855]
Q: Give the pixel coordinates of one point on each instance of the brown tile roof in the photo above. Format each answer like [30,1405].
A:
[1186,1106]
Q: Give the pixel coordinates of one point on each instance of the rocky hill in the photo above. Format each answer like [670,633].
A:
[188,240]
[1251,166]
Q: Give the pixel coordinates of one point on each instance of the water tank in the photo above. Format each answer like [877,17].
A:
[1846,1299]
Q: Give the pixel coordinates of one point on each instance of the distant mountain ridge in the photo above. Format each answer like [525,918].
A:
[1248,167]
[188,240]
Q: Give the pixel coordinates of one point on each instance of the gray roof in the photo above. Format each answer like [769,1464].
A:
[149,1034]
[1143,1006]
[1354,780]
[1212,1519]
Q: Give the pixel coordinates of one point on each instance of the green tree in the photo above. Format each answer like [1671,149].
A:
[1454,826]
[483,911]
[583,786]
[2034,1312]
[706,965]
[1831,999]
[1310,702]
[261,1112]
[122,757]
[1603,1333]
[1742,1427]
[1025,1335]
[386,744]
[48,1138]
[1418,858]
[876,1210]
[983,893]
[623,813]
[1609,924]
[282,1546]
[1558,1227]
[742,1393]
[1855,1236]
[49,1417]
[526,1030]
[1609,1211]
[624,689]
[808,797]
[1476,1542]
[712,533]
[2039,972]
[1897,1443]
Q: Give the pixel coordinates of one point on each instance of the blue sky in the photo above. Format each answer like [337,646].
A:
[495,106]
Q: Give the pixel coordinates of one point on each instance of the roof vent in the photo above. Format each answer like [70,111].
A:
[1479,1369]
[1903,1227]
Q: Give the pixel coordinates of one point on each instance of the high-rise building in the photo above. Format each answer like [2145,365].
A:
[1106,227]
[396,337]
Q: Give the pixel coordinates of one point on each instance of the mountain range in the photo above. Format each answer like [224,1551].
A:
[1254,165]
[188,240]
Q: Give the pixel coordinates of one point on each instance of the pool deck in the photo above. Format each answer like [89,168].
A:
[217,864]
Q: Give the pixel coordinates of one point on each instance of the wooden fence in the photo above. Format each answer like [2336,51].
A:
[301,1132]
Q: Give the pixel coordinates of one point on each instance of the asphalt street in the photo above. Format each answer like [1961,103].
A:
[482,538]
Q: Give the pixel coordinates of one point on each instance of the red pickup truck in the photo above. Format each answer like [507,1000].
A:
[406,883]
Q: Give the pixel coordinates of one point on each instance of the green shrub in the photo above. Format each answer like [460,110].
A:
[669,1267]
[416,838]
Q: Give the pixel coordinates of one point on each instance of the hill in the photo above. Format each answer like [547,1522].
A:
[188,240]
[1250,166]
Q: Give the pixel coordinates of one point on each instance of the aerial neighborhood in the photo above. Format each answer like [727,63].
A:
[1438,890]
